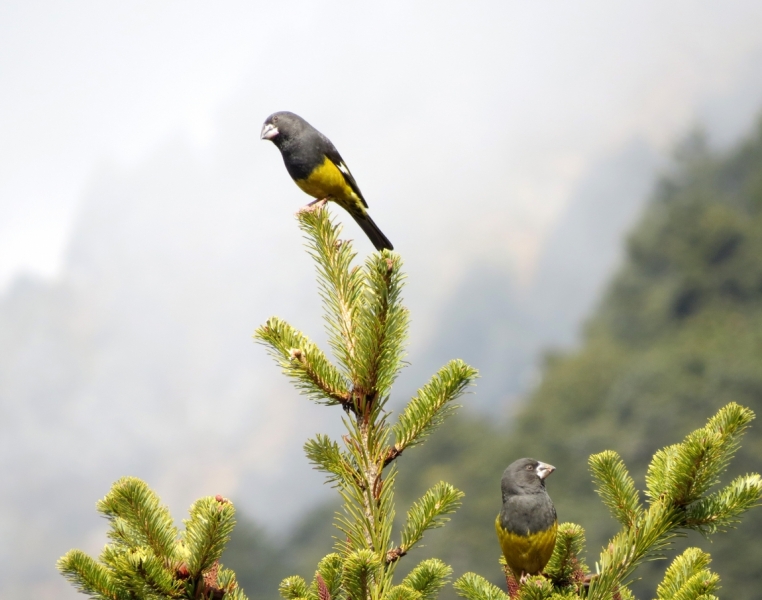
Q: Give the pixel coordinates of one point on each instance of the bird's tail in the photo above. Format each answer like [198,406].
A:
[376,236]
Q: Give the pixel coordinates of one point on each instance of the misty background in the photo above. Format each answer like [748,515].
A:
[504,147]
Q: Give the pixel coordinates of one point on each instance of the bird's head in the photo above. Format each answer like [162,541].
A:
[525,476]
[281,126]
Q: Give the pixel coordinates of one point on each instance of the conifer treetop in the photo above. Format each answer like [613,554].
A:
[367,329]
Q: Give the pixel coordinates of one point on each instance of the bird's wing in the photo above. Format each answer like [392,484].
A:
[334,156]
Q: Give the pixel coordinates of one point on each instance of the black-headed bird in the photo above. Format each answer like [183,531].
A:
[318,169]
[527,524]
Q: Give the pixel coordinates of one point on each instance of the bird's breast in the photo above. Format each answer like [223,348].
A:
[527,513]
[526,553]
[326,181]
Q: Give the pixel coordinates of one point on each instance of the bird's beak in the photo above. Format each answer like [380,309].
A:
[269,131]
[543,470]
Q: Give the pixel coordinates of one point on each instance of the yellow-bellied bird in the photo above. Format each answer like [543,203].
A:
[318,169]
[527,524]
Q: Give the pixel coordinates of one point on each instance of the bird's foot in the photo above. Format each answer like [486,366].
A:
[524,577]
[313,206]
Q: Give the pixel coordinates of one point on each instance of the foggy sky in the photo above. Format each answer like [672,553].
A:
[145,230]
[436,106]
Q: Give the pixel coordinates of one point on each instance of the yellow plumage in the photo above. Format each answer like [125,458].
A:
[327,181]
[526,553]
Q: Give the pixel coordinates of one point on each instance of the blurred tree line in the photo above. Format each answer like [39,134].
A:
[677,335]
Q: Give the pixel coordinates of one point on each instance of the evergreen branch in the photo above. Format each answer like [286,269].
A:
[382,325]
[304,363]
[322,591]
[727,427]
[731,421]
[341,285]
[362,570]
[226,580]
[355,523]
[652,534]
[144,561]
[565,567]
[657,475]
[138,518]
[699,587]
[694,465]
[615,487]
[431,406]
[149,569]
[677,479]
[536,588]
[684,472]
[88,576]
[206,533]
[293,587]
[428,577]
[687,574]
[368,506]
[112,555]
[139,573]
[722,509]
[402,592]
[330,569]
[625,594]
[383,507]
[325,454]
[474,587]
[429,512]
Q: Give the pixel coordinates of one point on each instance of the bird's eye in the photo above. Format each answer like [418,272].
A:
[530,468]
[275,119]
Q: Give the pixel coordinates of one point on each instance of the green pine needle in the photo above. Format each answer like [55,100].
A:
[206,533]
[330,568]
[362,571]
[536,588]
[303,362]
[430,512]
[137,517]
[433,404]
[326,455]
[684,472]
[690,564]
[293,587]
[428,577]
[720,511]
[566,566]
[341,285]
[615,487]
[402,592]
[382,326]
[88,576]
[474,587]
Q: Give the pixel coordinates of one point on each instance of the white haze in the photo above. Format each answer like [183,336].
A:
[145,231]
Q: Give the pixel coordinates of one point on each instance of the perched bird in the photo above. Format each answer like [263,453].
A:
[526,526]
[318,169]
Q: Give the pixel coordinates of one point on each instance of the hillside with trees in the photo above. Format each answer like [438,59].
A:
[677,335]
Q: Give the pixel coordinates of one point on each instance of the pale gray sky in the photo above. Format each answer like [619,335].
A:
[130,167]
[532,90]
